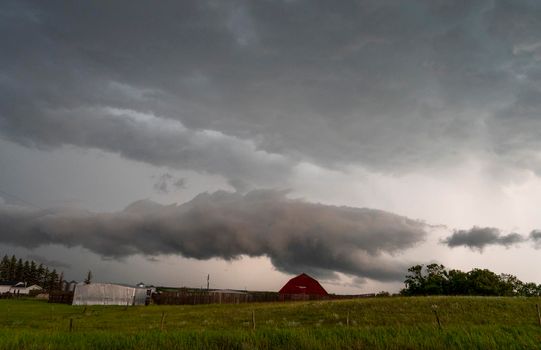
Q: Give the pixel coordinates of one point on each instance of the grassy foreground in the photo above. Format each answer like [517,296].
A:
[395,323]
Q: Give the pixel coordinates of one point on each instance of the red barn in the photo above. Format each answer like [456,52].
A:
[303,284]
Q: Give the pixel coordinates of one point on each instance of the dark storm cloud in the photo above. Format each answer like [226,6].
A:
[156,141]
[296,235]
[480,237]
[255,87]
[48,262]
[535,237]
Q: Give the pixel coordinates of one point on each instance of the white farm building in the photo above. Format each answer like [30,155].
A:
[18,288]
[110,294]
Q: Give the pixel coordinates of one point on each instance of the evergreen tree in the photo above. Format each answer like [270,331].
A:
[12,265]
[33,278]
[19,270]
[60,281]
[52,281]
[88,278]
[4,268]
[39,275]
[26,271]
[44,278]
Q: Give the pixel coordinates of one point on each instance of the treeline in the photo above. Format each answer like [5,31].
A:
[17,270]
[434,279]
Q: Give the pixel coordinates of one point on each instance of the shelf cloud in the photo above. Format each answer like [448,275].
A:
[296,235]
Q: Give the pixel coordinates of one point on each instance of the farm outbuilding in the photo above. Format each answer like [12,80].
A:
[110,294]
[20,288]
[302,287]
[5,287]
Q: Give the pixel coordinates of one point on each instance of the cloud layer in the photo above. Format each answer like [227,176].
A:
[248,89]
[296,235]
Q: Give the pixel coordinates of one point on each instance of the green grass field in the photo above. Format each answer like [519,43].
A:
[390,323]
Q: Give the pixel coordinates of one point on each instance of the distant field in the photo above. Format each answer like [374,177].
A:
[395,323]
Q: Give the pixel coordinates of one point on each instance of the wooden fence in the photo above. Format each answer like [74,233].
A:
[7,295]
[192,297]
[200,297]
[61,297]
[302,297]
[17,295]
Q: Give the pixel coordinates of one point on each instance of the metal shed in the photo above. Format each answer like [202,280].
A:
[109,294]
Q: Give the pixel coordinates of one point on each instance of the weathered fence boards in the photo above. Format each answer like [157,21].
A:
[201,297]
[302,297]
[264,297]
[7,295]
[61,297]
[191,297]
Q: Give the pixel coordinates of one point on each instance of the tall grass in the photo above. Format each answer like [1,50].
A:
[395,323]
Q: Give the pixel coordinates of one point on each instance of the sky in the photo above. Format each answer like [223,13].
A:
[256,140]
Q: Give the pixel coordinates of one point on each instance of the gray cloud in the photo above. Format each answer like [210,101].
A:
[162,184]
[48,262]
[167,182]
[161,142]
[296,235]
[480,237]
[227,89]
[535,236]
[180,183]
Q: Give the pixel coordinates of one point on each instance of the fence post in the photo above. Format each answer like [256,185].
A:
[435,309]
[253,319]
[347,319]
[538,314]
[71,324]
[163,319]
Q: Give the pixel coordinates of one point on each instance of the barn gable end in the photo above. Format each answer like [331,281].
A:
[303,284]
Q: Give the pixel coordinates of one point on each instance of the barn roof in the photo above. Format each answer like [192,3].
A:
[303,284]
